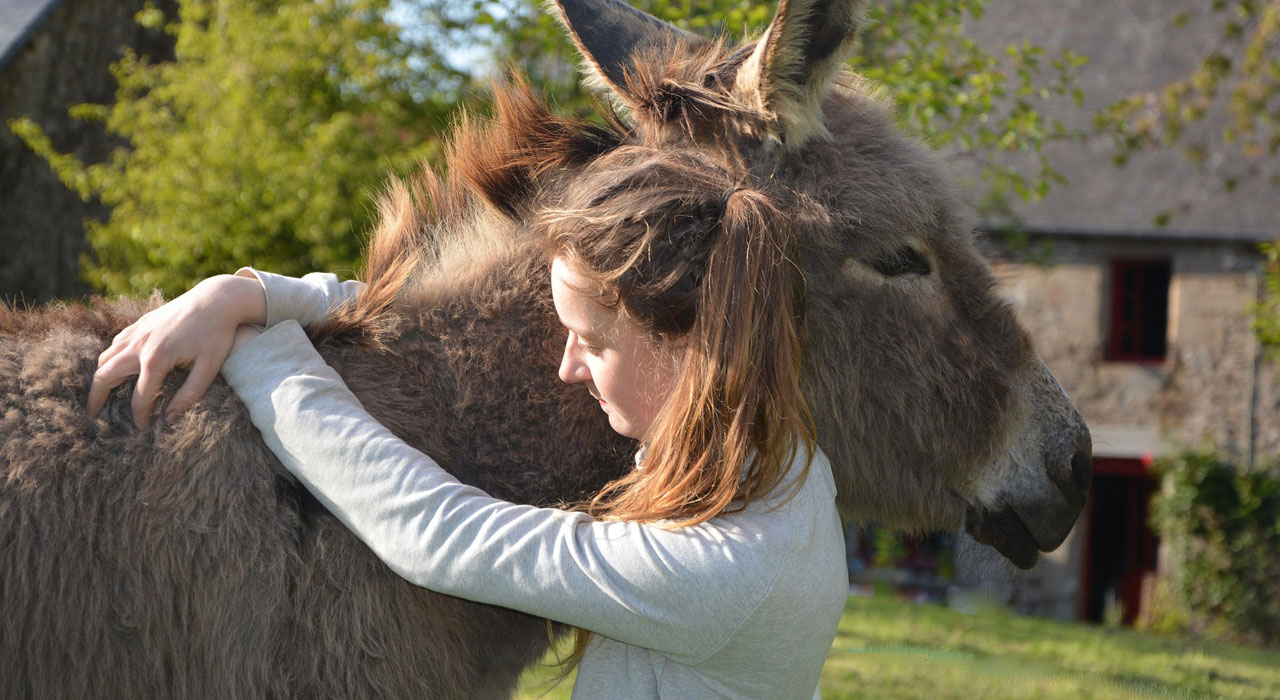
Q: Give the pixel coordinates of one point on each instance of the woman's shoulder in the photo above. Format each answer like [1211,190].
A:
[820,468]
[801,502]
[810,477]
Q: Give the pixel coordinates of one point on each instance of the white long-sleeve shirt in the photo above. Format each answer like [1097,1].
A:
[742,606]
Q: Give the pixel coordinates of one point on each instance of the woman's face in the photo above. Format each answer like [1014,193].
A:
[623,367]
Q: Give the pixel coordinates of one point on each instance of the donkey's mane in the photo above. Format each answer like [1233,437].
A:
[494,168]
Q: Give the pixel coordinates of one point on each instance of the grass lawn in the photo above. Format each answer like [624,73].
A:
[891,649]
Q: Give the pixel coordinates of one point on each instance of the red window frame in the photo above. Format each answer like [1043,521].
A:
[1133,310]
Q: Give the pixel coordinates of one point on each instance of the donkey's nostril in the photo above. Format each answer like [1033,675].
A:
[1082,464]
[1070,466]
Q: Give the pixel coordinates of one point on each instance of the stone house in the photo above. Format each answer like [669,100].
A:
[55,54]
[1148,327]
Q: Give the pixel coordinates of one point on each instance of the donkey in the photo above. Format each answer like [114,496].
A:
[184,561]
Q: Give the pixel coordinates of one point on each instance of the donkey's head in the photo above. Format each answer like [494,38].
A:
[928,396]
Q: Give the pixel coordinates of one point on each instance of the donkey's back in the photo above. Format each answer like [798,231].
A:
[183,561]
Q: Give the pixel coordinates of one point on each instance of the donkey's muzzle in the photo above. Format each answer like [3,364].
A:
[1071,467]
[1005,531]
[1041,521]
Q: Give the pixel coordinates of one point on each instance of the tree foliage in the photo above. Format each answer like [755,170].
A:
[260,144]
[1236,83]
[1268,316]
[1240,75]
[954,93]
[264,140]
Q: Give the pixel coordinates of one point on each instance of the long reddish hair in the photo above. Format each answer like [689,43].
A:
[690,255]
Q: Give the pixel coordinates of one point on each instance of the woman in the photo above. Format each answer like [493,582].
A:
[714,569]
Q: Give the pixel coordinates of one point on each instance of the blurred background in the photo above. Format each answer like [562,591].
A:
[1121,157]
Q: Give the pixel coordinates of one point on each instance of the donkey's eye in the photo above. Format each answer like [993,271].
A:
[903,261]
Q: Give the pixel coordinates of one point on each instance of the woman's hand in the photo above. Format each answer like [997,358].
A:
[196,332]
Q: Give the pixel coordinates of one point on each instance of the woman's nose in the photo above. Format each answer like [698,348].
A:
[572,369]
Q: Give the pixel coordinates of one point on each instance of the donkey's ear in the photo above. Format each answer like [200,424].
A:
[792,67]
[609,33]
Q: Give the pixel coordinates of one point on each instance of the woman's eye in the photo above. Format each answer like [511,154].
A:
[903,261]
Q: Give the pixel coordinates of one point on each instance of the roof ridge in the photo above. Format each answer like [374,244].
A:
[19,19]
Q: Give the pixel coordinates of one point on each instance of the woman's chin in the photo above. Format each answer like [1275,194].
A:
[622,426]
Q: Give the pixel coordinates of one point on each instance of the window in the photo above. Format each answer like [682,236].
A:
[1139,310]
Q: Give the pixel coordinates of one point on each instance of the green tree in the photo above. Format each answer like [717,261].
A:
[264,140]
[260,144]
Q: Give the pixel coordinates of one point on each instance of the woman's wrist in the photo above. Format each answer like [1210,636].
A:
[244,297]
[244,334]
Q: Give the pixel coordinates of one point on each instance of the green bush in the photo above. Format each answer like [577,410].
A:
[1268,308]
[1223,526]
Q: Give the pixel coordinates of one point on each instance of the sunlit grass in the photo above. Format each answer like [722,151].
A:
[890,649]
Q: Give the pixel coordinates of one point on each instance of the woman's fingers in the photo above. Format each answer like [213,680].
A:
[115,364]
[151,376]
[151,373]
[195,330]
[109,375]
[117,346]
[118,343]
[189,394]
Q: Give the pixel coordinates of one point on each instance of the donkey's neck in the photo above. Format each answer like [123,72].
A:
[471,381]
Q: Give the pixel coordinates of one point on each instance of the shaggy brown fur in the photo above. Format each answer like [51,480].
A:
[183,561]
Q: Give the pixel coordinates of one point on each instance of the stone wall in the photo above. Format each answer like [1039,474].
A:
[66,62]
[1213,386]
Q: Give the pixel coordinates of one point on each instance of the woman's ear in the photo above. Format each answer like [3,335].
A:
[610,34]
[793,65]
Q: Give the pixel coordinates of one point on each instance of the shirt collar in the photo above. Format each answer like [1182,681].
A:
[644,450]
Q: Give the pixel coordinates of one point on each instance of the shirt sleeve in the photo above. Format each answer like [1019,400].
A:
[681,592]
[305,299]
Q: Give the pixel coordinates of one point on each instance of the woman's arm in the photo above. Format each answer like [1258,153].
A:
[305,299]
[195,332]
[682,592]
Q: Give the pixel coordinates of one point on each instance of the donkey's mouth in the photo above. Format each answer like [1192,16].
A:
[1005,531]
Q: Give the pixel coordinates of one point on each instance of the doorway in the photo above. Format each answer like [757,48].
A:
[1121,548]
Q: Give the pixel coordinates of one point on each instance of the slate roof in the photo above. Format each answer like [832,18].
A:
[19,19]
[1133,46]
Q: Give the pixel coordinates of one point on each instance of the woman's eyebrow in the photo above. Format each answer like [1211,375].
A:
[592,335]
[581,333]
[569,327]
